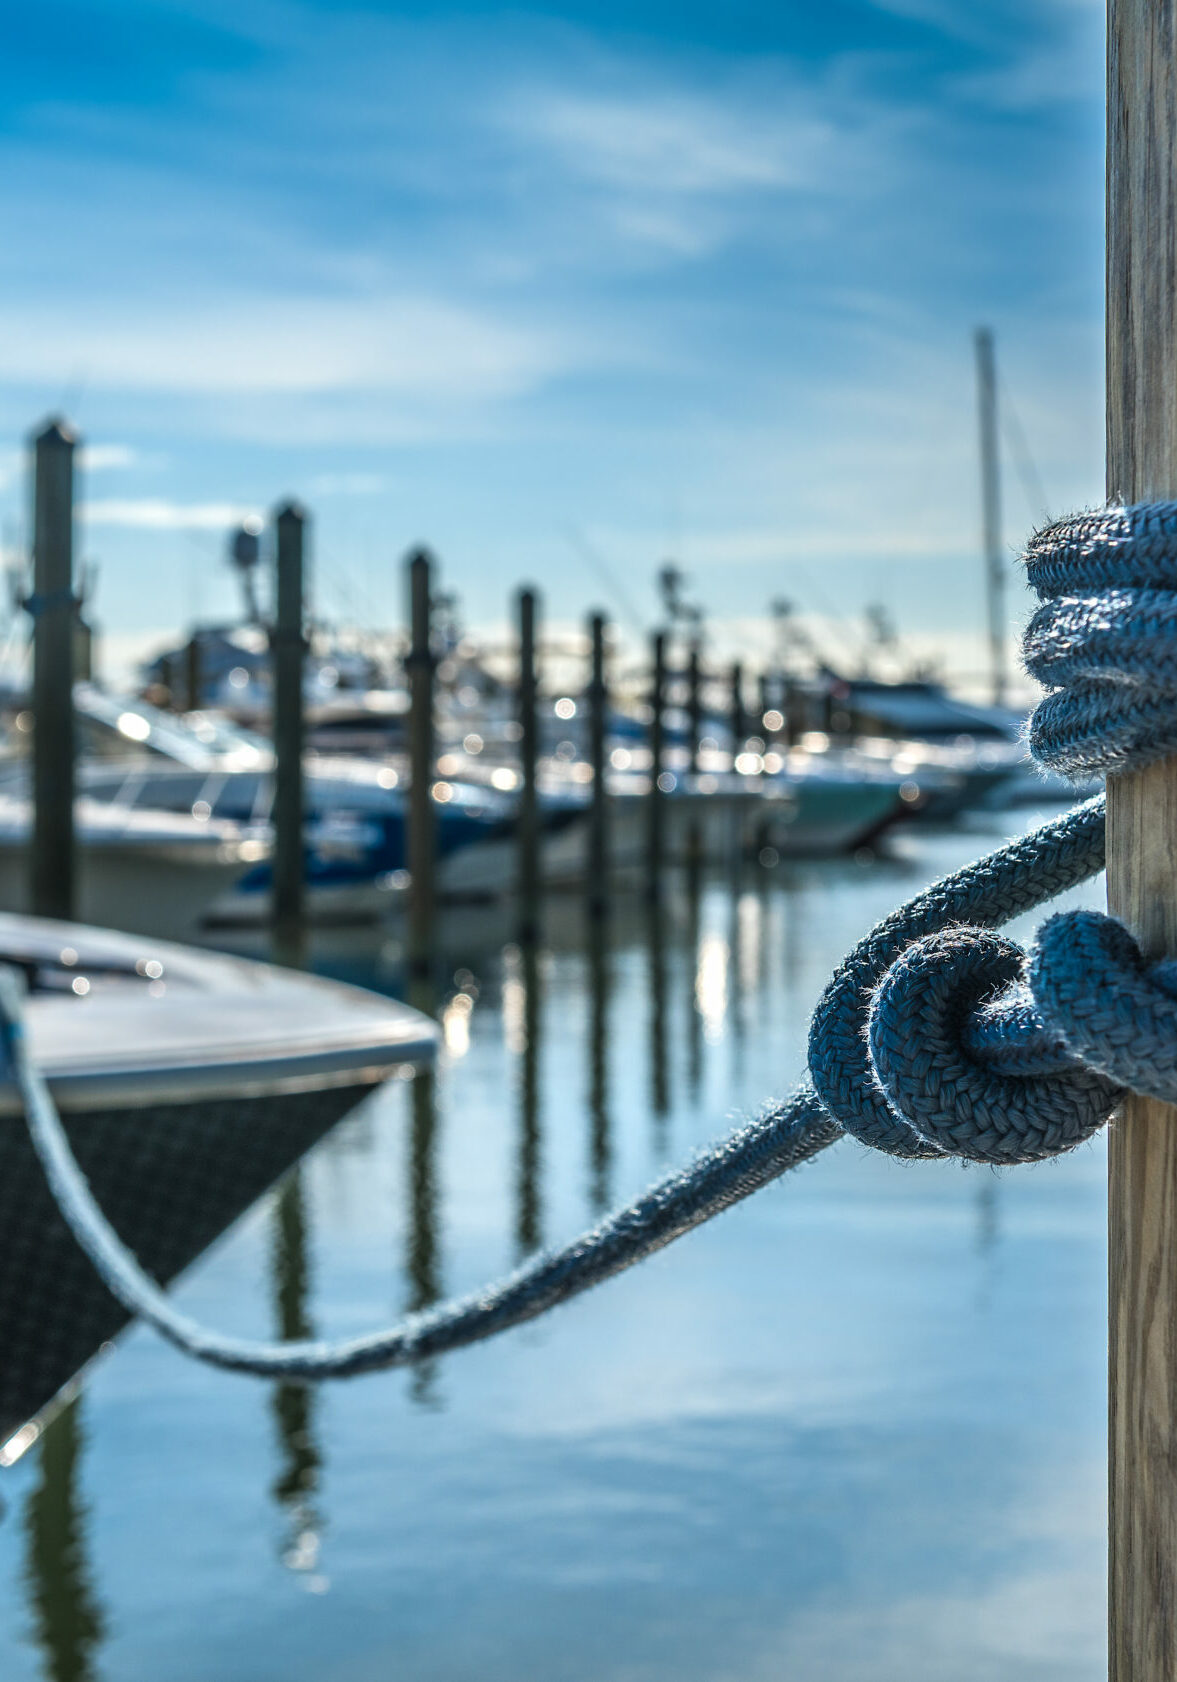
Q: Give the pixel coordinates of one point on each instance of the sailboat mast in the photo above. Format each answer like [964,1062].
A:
[991,510]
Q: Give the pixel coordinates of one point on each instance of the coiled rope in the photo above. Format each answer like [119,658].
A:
[935,1036]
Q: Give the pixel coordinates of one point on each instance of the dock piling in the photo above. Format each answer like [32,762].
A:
[529,884]
[694,708]
[694,699]
[192,673]
[738,722]
[1142,1145]
[422,827]
[288,654]
[656,802]
[52,855]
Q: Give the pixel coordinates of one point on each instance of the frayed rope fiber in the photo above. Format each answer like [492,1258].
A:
[936,1037]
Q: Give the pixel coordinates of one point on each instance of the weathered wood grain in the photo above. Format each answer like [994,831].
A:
[1142,840]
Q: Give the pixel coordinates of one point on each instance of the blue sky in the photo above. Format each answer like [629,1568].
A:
[612,281]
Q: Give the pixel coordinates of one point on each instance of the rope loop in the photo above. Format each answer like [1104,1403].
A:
[1116,1012]
[969,1061]
[1104,641]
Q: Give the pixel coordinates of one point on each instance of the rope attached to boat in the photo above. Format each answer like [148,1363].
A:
[935,1037]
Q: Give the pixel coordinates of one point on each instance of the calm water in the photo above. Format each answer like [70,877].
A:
[851,1432]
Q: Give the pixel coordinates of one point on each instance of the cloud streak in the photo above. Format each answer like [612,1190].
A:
[156,514]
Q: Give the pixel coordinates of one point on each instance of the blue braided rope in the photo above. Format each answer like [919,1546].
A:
[934,1037]
[1104,641]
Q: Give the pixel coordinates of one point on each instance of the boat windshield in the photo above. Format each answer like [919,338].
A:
[124,724]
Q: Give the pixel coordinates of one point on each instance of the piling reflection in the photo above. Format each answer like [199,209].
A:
[300,1461]
[659,1052]
[68,1617]
[736,964]
[600,1132]
[693,887]
[988,1213]
[529,1163]
[423,1259]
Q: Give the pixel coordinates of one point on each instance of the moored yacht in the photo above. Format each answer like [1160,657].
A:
[188,1083]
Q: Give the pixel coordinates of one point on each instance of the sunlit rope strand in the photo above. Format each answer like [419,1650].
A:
[935,1037]
[1104,640]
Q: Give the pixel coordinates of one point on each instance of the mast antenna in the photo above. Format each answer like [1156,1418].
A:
[991,510]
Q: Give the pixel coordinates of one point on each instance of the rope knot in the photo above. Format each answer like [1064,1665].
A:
[963,1052]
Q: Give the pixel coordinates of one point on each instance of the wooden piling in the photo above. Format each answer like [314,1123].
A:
[694,708]
[192,673]
[529,883]
[288,657]
[738,720]
[52,855]
[422,828]
[597,873]
[1142,828]
[656,801]
[694,844]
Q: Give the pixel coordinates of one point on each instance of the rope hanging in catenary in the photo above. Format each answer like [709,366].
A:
[935,1036]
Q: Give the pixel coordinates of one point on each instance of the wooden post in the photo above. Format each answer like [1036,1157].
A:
[288,654]
[419,665]
[192,673]
[528,816]
[694,848]
[694,709]
[597,877]
[1141,831]
[739,723]
[52,855]
[656,803]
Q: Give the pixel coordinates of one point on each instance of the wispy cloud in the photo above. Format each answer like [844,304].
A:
[419,346]
[102,458]
[673,143]
[153,514]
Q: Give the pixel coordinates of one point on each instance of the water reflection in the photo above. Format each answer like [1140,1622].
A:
[693,885]
[659,1057]
[423,1260]
[988,1212]
[294,1405]
[529,1163]
[600,1140]
[736,971]
[68,1618]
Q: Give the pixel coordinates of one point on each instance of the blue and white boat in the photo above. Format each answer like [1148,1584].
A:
[137,757]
